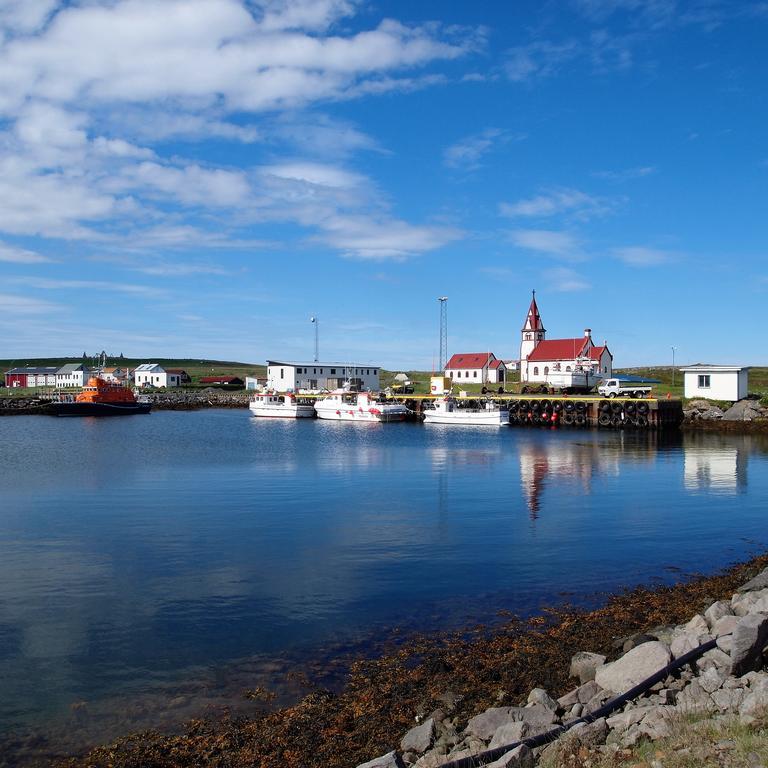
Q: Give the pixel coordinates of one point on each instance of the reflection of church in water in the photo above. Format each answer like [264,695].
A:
[562,462]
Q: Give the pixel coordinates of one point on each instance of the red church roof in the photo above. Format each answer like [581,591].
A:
[558,349]
[533,318]
[564,349]
[470,360]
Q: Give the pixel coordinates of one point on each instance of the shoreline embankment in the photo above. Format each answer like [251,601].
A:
[449,681]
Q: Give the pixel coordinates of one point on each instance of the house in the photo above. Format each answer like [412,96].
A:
[41,376]
[184,377]
[255,382]
[154,375]
[716,382]
[222,381]
[285,377]
[115,375]
[72,375]
[539,356]
[475,368]
[512,366]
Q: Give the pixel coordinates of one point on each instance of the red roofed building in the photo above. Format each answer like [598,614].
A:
[540,356]
[475,368]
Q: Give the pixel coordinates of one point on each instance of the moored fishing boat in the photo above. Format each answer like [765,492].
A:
[100,398]
[447,410]
[279,406]
[342,405]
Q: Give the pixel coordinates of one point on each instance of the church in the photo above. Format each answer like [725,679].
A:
[540,356]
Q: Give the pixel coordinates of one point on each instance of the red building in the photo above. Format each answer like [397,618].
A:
[31,377]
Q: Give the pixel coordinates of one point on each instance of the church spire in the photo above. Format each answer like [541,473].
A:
[533,318]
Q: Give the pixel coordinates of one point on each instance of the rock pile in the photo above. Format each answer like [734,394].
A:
[743,410]
[10,406]
[729,680]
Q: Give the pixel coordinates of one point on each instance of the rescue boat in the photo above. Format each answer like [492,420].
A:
[100,398]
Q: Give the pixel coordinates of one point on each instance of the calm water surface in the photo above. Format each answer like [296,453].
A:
[142,552]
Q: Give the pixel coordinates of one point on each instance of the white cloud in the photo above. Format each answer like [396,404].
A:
[578,204]
[190,185]
[24,16]
[363,237]
[639,256]
[9,253]
[11,305]
[141,50]
[49,284]
[468,152]
[316,174]
[565,280]
[546,241]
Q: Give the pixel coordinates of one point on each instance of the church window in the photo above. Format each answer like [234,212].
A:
[568,368]
[546,370]
[536,370]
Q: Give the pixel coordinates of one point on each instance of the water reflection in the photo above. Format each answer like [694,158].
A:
[719,468]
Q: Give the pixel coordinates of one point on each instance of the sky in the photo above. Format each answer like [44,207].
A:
[199,178]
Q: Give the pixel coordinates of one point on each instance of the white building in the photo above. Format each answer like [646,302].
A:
[115,375]
[72,375]
[716,382]
[475,368]
[540,356]
[289,377]
[154,375]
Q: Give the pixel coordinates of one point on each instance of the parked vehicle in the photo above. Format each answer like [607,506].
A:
[622,388]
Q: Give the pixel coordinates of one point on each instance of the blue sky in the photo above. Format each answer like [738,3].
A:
[200,177]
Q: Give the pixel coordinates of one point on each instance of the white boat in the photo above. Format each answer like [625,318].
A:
[342,405]
[446,410]
[279,406]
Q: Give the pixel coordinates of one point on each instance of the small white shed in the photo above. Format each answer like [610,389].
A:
[716,382]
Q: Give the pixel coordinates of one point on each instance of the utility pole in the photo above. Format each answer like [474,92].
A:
[316,322]
[443,332]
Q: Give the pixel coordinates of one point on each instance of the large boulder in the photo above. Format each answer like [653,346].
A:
[758,582]
[390,760]
[584,664]
[744,410]
[749,638]
[420,738]
[519,757]
[633,667]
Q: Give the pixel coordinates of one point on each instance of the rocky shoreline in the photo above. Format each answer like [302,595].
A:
[472,684]
[172,400]
[727,681]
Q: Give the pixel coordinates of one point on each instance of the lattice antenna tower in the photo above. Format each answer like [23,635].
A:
[443,331]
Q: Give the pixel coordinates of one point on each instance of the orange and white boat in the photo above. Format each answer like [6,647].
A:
[100,397]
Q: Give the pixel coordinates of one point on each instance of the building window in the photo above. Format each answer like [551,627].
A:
[567,368]
[546,370]
[375,372]
[536,370]
[333,371]
[475,374]
[282,373]
[704,381]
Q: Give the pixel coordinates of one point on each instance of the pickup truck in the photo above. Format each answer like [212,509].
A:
[619,388]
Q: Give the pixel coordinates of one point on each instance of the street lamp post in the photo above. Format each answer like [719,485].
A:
[316,322]
[673,366]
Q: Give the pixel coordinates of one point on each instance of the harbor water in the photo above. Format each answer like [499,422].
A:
[153,566]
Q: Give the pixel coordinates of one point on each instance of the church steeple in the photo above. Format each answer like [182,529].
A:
[532,332]
[533,318]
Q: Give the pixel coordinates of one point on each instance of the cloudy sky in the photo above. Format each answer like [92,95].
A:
[199,177]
